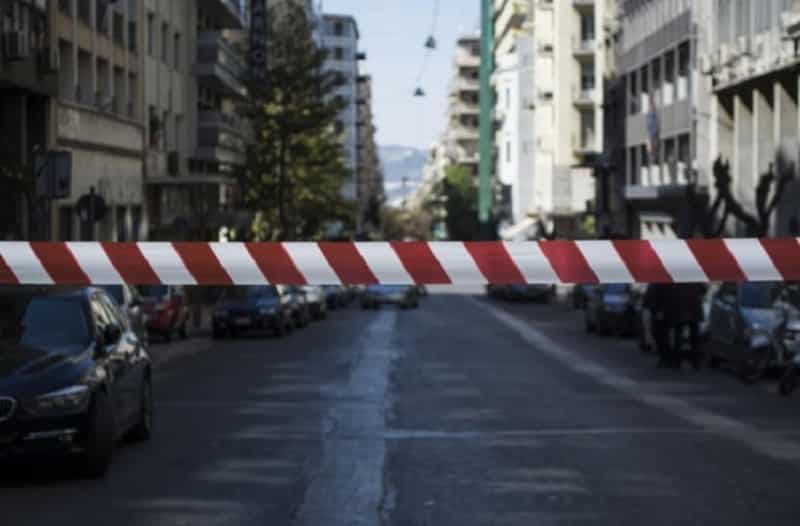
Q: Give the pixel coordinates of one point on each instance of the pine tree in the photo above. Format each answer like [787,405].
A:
[296,169]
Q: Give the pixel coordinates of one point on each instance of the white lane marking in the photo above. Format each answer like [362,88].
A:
[166,263]
[457,263]
[22,260]
[605,261]
[765,443]
[95,263]
[679,261]
[312,263]
[531,262]
[753,260]
[384,263]
[238,263]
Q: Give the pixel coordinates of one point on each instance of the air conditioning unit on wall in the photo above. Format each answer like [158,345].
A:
[15,46]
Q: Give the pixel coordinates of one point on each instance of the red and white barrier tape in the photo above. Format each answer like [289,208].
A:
[400,263]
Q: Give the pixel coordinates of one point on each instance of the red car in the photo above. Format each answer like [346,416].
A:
[166,310]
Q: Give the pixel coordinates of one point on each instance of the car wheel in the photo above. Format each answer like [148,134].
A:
[100,438]
[753,368]
[167,335]
[143,429]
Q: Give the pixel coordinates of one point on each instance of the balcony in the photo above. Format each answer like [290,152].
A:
[584,49]
[218,66]
[463,108]
[464,84]
[584,98]
[225,13]
[583,5]
[464,133]
[466,59]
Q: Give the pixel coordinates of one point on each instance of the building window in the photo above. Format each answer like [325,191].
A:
[133,103]
[338,29]
[65,6]
[164,42]
[65,223]
[338,53]
[587,76]
[587,27]
[136,222]
[151,34]
[133,29]
[176,48]
[119,29]
[85,11]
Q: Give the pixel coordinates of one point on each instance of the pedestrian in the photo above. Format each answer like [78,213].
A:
[683,312]
[655,301]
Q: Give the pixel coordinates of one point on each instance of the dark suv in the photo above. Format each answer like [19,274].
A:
[74,377]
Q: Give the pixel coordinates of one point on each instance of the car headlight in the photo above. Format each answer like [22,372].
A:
[66,401]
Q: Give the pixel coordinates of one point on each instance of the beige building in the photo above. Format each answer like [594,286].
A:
[550,70]
[99,114]
[461,136]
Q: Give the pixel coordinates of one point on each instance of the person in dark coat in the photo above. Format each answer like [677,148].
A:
[655,301]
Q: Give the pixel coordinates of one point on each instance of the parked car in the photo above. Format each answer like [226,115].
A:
[403,296]
[130,302]
[741,319]
[610,309]
[317,302]
[531,292]
[294,299]
[255,308]
[336,296]
[581,294]
[166,310]
[74,376]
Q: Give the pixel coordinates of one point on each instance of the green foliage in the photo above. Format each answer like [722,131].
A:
[295,169]
[461,195]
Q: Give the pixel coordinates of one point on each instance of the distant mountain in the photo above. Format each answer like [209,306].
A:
[401,162]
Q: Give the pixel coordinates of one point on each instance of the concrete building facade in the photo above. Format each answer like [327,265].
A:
[340,36]
[461,135]
[370,174]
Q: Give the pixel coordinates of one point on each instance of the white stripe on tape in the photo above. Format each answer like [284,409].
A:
[531,262]
[384,263]
[238,263]
[753,260]
[166,263]
[312,263]
[605,261]
[95,263]
[679,261]
[22,261]
[458,263]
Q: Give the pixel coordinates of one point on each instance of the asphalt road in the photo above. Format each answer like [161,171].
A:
[462,412]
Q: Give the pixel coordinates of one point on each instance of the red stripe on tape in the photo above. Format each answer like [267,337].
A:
[202,263]
[494,262]
[60,263]
[716,260]
[131,264]
[642,261]
[568,262]
[785,255]
[348,263]
[7,276]
[420,263]
[275,263]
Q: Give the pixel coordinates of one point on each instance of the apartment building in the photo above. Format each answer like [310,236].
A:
[340,38]
[370,175]
[750,62]
[28,87]
[99,115]
[462,134]
[196,140]
[513,83]
[657,65]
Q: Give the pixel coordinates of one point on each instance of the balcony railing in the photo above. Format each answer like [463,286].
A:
[583,48]
[584,97]
[219,66]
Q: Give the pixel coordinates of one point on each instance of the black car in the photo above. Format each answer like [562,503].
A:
[256,308]
[611,309]
[74,377]
[402,295]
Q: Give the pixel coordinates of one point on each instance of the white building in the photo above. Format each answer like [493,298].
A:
[565,96]
[462,135]
[340,38]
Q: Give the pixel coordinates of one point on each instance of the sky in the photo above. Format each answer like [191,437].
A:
[393,34]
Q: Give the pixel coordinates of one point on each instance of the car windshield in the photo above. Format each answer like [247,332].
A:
[154,291]
[116,292]
[757,295]
[617,288]
[43,321]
